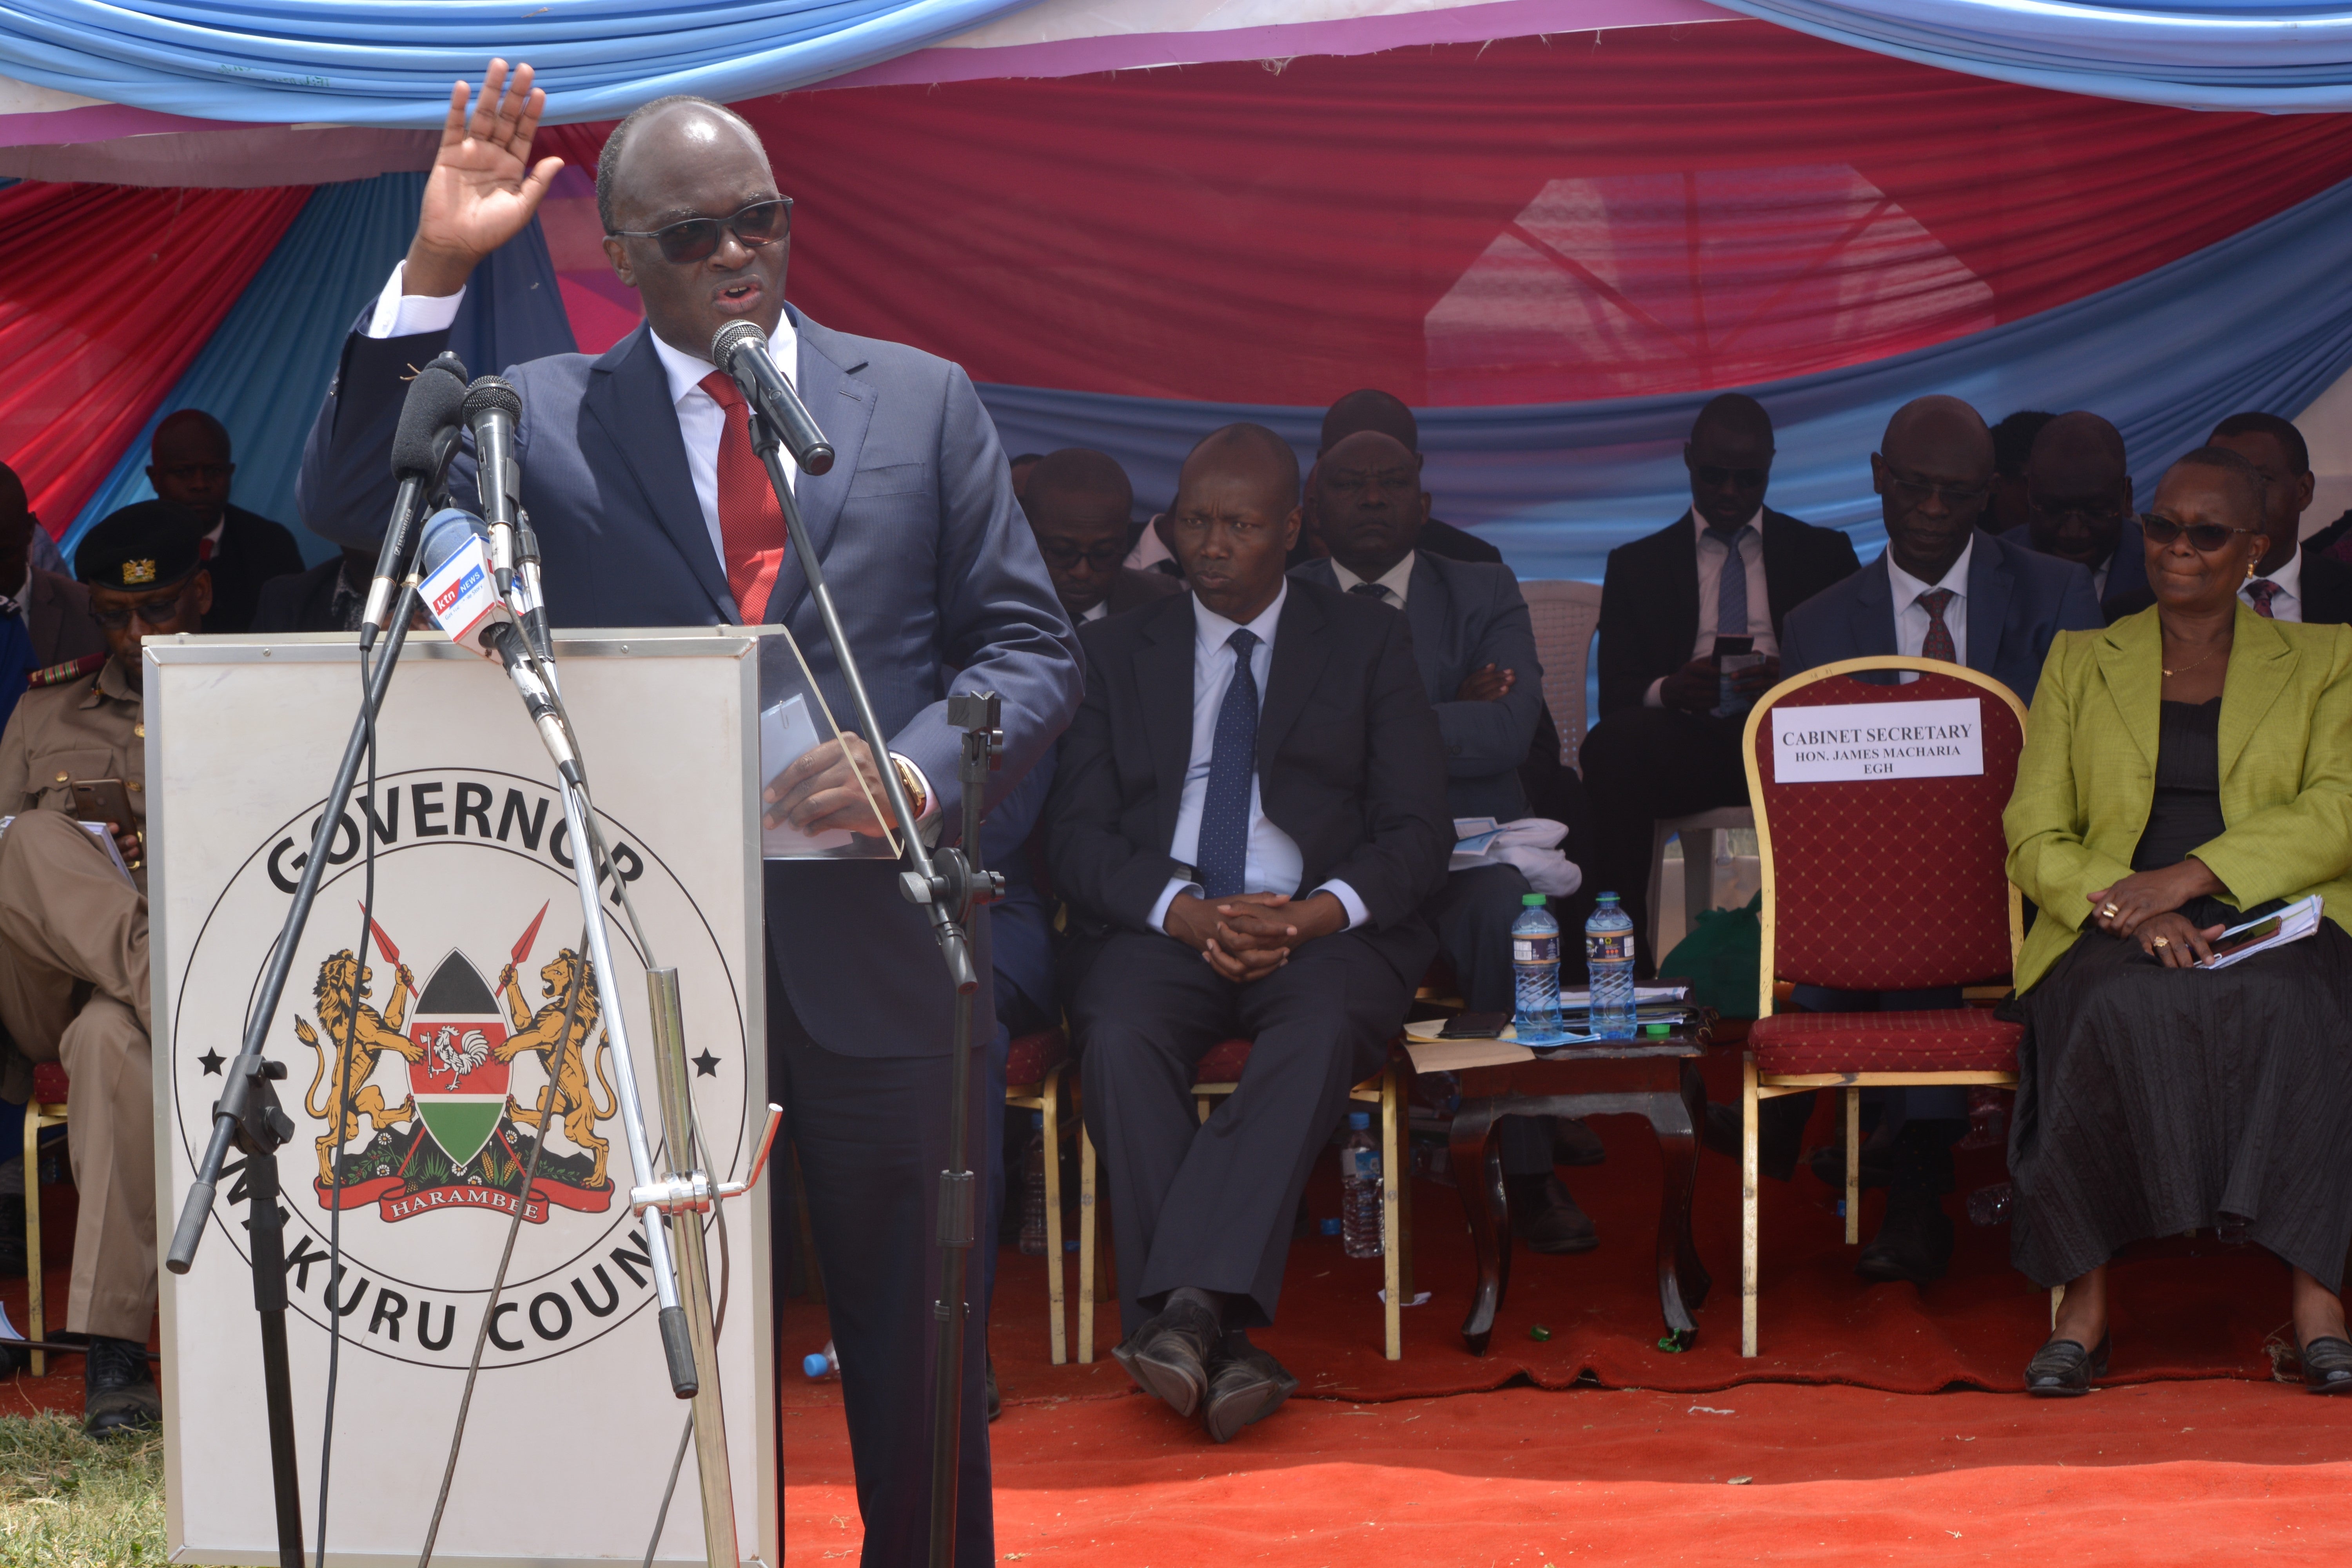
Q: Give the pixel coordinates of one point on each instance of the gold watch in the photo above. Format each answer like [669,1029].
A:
[909,780]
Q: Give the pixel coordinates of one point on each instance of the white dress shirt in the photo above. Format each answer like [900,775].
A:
[1102,609]
[1911,618]
[1711,550]
[1271,863]
[1393,582]
[2287,605]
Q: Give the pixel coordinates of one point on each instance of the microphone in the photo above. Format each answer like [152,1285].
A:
[492,406]
[421,450]
[740,350]
[458,590]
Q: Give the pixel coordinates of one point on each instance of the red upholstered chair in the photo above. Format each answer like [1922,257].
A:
[1893,884]
[1033,1081]
[48,1108]
[1219,1075]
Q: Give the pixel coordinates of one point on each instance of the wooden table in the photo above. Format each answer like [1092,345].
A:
[1655,1077]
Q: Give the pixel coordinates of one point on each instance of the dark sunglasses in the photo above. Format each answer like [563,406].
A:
[1715,478]
[1063,555]
[761,222]
[156,614]
[2203,537]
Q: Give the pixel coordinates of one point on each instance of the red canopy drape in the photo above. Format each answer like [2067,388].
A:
[107,293]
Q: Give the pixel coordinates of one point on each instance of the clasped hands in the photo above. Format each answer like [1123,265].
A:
[1250,935]
[2146,905]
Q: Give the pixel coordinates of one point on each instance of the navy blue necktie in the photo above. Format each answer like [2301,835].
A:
[1224,852]
[1731,587]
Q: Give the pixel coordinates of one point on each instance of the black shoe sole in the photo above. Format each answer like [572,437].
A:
[1173,1385]
[1569,1248]
[1224,1415]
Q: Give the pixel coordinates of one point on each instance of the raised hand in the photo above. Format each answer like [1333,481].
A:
[483,188]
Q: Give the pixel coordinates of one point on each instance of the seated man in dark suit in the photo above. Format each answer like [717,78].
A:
[242,550]
[1248,818]
[1943,589]
[1373,410]
[1077,504]
[2078,500]
[1730,566]
[43,619]
[2012,445]
[327,598]
[1477,649]
[2294,581]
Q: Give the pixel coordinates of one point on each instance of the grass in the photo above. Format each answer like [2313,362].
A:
[68,1502]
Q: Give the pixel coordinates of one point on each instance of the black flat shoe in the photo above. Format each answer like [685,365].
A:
[1913,1242]
[1574,1143]
[1243,1388]
[2062,1369]
[2327,1366]
[1545,1218]
[1168,1356]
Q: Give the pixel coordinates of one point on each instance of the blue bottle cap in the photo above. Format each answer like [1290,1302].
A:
[814,1364]
[1330,1227]
[1037,1120]
[1361,1121]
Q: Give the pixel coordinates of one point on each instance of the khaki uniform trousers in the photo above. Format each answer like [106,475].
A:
[73,989]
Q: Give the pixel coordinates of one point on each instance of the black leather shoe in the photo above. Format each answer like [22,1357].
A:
[1574,1143]
[2327,1366]
[1168,1356]
[1545,1218]
[1829,1166]
[995,1400]
[119,1394]
[1913,1242]
[1245,1386]
[2062,1369]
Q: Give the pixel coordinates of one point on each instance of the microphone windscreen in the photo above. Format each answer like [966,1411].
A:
[491,393]
[732,337]
[436,400]
[447,532]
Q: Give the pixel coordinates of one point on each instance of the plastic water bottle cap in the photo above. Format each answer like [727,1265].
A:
[1330,1227]
[1360,1120]
[1037,1120]
[814,1364]
[1532,900]
[1608,898]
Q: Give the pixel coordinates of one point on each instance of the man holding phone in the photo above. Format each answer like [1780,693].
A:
[1690,626]
[73,932]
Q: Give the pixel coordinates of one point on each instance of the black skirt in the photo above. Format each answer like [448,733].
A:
[2152,1101]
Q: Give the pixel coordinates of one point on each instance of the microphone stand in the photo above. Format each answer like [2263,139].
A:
[950,887]
[249,1118]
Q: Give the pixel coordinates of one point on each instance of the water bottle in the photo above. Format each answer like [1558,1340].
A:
[821,1363]
[1534,970]
[1032,1189]
[1609,958]
[1359,1188]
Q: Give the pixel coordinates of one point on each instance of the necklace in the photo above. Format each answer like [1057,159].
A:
[2185,669]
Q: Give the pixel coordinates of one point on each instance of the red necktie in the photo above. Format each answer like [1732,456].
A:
[1938,644]
[2264,591]
[205,549]
[750,521]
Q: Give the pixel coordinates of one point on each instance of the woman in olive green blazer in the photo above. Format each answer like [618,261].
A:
[2184,769]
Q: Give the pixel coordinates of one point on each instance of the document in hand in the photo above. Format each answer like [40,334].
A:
[2292,923]
[105,840]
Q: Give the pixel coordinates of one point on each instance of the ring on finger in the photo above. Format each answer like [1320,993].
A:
[2111,909]
[2163,942]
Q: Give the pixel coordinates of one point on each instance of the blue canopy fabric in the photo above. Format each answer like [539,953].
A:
[266,371]
[2261,321]
[2258,55]
[390,62]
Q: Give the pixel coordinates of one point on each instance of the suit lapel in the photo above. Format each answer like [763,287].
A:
[1682,589]
[1874,612]
[843,409]
[1163,684]
[1989,581]
[1429,610]
[1781,573]
[2131,658]
[1300,650]
[2262,662]
[628,396]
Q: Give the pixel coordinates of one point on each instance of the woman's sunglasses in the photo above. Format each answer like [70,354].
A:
[2204,537]
[761,222]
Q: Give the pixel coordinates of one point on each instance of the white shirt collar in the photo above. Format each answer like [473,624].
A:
[1699,522]
[1395,579]
[1102,609]
[1909,588]
[2288,577]
[1212,631]
[686,372]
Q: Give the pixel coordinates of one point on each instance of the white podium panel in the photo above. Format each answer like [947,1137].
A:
[574,1426]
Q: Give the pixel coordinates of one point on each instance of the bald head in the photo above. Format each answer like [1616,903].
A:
[1933,473]
[2078,490]
[192,465]
[675,161]
[1370,409]
[1729,456]
[680,120]
[1077,504]
[1235,518]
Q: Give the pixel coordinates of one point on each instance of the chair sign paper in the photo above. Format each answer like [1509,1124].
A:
[1878,740]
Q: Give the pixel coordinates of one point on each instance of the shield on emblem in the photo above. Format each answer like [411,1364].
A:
[459,1087]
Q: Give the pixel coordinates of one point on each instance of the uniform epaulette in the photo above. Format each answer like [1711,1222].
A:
[71,670]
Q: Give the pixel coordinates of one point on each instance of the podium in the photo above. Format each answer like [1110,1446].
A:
[459,1024]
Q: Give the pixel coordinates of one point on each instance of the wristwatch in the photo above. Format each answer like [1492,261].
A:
[909,780]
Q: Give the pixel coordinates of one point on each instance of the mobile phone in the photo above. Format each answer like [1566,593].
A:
[103,800]
[1475,1026]
[1733,645]
[2262,930]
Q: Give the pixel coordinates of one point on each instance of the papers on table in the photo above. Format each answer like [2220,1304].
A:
[2292,923]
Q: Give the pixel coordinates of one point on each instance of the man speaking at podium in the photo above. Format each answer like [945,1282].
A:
[652,510]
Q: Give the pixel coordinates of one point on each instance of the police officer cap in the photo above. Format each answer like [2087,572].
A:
[150,544]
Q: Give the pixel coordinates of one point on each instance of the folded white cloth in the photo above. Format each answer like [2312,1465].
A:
[1531,844]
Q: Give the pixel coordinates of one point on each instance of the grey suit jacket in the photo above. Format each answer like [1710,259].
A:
[932,567]
[2017,601]
[56,614]
[1466,615]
